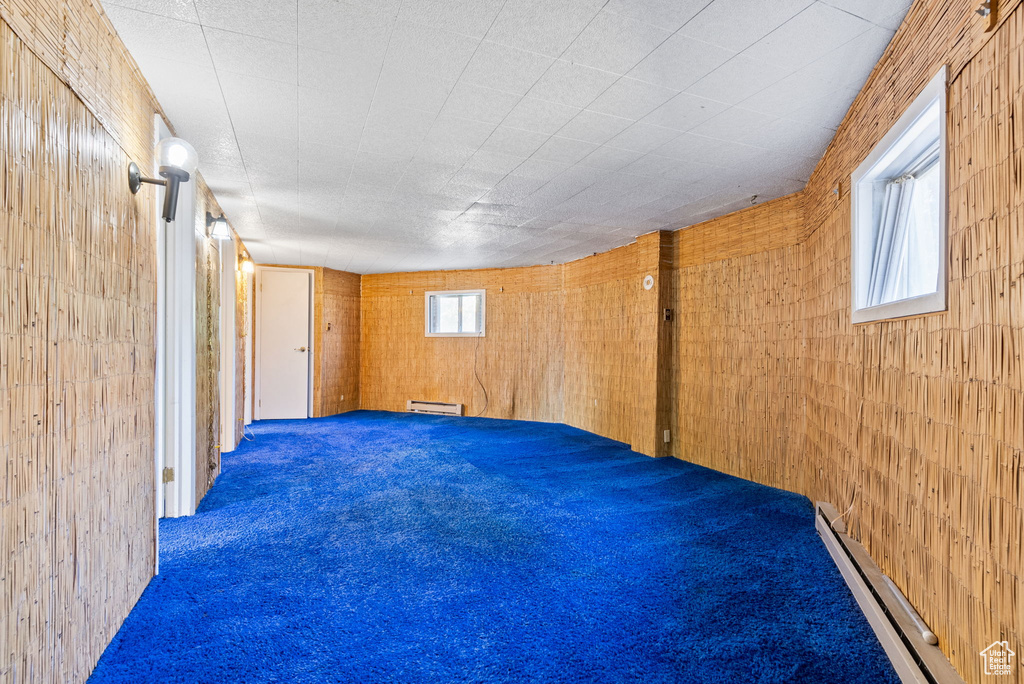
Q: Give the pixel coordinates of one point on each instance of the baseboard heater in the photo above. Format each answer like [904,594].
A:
[908,642]
[437,407]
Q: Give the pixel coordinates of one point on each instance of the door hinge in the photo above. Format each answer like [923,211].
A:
[168,475]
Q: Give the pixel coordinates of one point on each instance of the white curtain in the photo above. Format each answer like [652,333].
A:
[888,281]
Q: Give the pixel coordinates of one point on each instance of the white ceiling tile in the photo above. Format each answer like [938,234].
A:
[631,99]
[540,116]
[885,13]
[161,37]
[468,17]
[793,136]
[737,24]
[735,123]
[572,84]
[408,89]
[261,107]
[506,68]
[331,107]
[690,147]
[684,112]
[594,127]
[479,104]
[182,10]
[544,26]
[809,35]
[643,137]
[251,56]
[274,19]
[429,50]
[668,14]
[514,141]
[451,131]
[564,150]
[610,158]
[680,62]
[614,42]
[738,79]
[355,79]
[344,28]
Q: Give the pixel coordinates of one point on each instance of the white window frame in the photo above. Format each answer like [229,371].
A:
[863,213]
[483,313]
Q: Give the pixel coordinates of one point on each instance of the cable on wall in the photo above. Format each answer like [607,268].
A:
[476,373]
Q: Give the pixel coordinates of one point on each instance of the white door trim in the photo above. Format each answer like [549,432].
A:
[259,318]
[175,394]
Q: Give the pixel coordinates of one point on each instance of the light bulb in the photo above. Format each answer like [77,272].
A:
[220,230]
[178,154]
[248,266]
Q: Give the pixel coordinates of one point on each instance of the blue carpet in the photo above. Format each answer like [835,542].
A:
[381,547]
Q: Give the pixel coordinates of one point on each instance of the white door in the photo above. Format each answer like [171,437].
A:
[284,351]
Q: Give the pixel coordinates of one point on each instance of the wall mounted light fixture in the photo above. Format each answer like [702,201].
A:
[220,227]
[247,265]
[177,161]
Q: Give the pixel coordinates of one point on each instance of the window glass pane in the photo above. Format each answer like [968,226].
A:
[448,314]
[922,271]
[470,310]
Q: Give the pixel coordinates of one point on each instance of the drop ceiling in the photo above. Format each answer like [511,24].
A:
[393,135]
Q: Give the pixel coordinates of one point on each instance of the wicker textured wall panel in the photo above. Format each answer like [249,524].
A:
[607,350]
[208,417]
[519,361]
[919,423]
[77,320]
[916,426]
[339,340]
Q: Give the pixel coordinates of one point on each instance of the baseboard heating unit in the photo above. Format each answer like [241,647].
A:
[908,642]
[436,407]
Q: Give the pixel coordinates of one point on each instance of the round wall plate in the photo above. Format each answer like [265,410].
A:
[134,178]
[648,282]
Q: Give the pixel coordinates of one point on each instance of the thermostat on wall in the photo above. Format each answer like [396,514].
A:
[648,282]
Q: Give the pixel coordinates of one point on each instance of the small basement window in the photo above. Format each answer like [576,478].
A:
[899,215]
[455,313]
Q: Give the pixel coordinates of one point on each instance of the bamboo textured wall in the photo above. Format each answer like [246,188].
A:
[76,359]
[339,343]
[519,360]
[737,340]
[919,423]
[78,264]
[208,416]
[915,425]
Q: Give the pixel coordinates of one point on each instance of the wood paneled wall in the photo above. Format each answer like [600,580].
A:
[519,361]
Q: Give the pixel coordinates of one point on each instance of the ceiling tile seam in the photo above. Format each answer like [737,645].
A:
[852,14]
[231,122]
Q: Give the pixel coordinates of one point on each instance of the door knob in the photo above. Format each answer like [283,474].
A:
[301,349]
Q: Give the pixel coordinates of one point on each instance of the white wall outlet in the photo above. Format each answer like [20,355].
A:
[668,436]
[343,397]
[595,402]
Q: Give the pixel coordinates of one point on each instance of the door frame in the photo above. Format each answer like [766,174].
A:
[175,381]
[257,387]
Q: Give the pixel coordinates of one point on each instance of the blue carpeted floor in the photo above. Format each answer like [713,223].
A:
[380,547]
